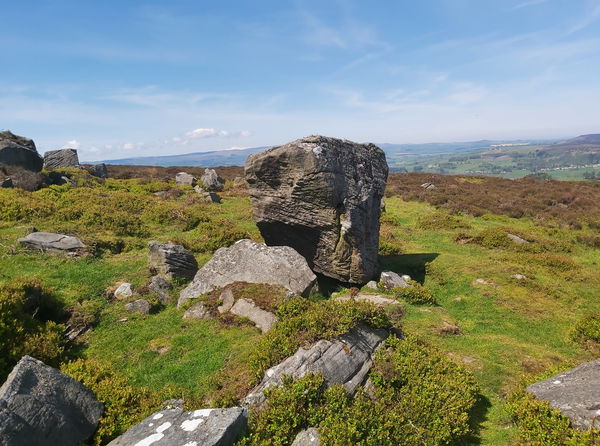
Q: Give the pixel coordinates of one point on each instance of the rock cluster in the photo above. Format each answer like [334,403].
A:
[321,196]
[61,159]
[41,406]
[19,151]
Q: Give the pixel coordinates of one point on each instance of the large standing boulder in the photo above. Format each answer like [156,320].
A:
[185,179]
[248,261]
[204,427]
[171,261]
[40,406]
[211,181]
[48,241]
[61,159]
[575,393]
[346,361]
[321,196]
[19,151]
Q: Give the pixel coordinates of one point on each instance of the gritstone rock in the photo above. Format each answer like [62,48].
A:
[124,291]
[99,170]
[392,280]
[61,159]
[169,260]
[248,309]
[185,179]
[308,437]
[19,151]
[48,241]
[248,261]
[211,181]
[140,306]
[42,406]
[321,196]
[197,311]
[162,288]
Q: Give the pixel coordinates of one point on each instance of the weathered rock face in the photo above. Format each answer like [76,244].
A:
[393,280]
[346,361]
[308,437]
[185,179]
[169,260]
[19,151]
[197,311]
[40,405]
[321,196]
[99,170]
[162,288]
[205,427]
[239,182]
[140,306]
[123,291]
[211,181]
[575,393]
[248,309]
[248,261]
[61,159]
[48,241]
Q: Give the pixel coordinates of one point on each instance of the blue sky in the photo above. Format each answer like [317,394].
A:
[128,78]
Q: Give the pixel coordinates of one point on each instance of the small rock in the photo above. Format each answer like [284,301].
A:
[428,186]
[211,181]
[248,309]
[518,240]
[518,277]
[307,437]
[161,287]
[458,299]
[185,179]
[372,284]
[138,306]
[423,310]
[483,282]
[375,299]
[61,159]
[123,319]
[7,183]
[48,241]
[124,291]
[227,300]
[392,280]
[197,311]
[448,328]
[468,359]
[382,205]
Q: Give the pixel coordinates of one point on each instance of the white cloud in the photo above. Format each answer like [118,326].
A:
[588,18]
[73,144]
[527,3]
[128,146]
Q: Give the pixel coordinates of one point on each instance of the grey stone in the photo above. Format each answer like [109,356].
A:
[140,306]
[19,151]
[123,291]
[248,261]
[518,240]
[575,393]
[197,311]
[173,427]
[227,300]
[61,159]
[428,186]
[47,241]
[7,183]
[170,261]
[99,170]
[239,182]
[308,437]
[185,179]
[321,196]
[372,284]
[382,205]
[345,360]
[519,277]
[211,181]
[162,288]
[42,406]
[392,280]
[376,299]
[248,309]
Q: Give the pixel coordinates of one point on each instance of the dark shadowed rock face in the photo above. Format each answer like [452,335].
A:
[19,151]
[575,393]
[40,405]
[170,261]
[173,427]
[211,181]
[321,196]
[61,159]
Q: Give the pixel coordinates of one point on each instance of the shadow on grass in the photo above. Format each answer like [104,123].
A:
[411,264]
[477,416]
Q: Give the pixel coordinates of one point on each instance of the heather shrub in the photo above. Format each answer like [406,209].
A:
[587,329]
[441,220]
[415,294]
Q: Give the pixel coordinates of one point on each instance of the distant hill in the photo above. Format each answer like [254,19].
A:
[592,139]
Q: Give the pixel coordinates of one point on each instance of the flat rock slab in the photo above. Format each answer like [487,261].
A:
[40,405]
[345,360]
[248,261]
[376,299]
[48,241]
[174,427]
[248,309]
[575,393]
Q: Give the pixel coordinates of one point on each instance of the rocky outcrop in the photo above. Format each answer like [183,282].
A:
[575,393]
[247,308]
[141,306]
[42,406]
[98,170]
[61,159]
[169,260]
[211,181]
[391,280]
[48,241]
[19,151]
[308,437]
[345,360]
[197,311]
[185,179]
[248,261]
[205,427]
[162,288]
[321,196]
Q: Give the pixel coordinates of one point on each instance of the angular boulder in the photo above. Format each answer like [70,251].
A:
[99,170]
[321,196]
[185,179]
[247,308]
[169,260]
[575,393]
[345,360]
[48,241]
[211,181]
[308,437]
[204,427]
[40,405]
[19,151]
[141,306]
[61,159]
[197,311]
[162,288]
[248,261]
[123,291]
[393,280]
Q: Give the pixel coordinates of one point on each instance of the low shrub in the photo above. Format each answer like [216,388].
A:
[587,329]
[210,236]
[591,240]
[441,220]
[415,294]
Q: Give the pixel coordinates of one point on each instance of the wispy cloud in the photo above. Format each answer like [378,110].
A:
[527,3]
[591,15]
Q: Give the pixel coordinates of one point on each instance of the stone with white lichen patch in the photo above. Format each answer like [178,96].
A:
[204,427]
